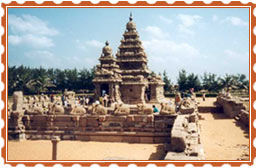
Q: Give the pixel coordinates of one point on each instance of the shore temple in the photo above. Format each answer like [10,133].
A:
[126,78]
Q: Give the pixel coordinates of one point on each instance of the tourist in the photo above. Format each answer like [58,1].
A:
[101,100]
[106,100]
[177,100]
[52,98]
[63,99]
[87,101]
[155,109]
[203,96]
[97,102]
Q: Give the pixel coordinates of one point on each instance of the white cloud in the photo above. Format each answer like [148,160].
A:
[12,39]
[165,19]
[84,45]
[42,58]
[29,24]
[236,21]
[187,21]
[236,55]
[39,53]
[155,32]
[164,52]
[31,31]
[94,43]
[31,40]
[167,49]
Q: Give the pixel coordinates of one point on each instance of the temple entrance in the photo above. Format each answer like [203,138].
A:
[104,89]
[147,93]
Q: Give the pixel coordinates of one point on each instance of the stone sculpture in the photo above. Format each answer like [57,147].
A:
[121,109]
[143,109]
[167,109]
[98,109]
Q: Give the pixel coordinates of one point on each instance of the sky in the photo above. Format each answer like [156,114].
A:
[212,40]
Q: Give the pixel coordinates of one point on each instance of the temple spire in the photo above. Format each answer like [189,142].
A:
[107,43]
[130,17]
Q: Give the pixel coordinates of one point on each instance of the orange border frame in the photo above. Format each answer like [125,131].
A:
[124,4]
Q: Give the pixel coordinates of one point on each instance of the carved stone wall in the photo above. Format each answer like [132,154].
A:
[130,128]
[132,94]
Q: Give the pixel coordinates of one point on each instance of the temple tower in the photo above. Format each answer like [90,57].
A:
[107,77]
[127,78]
[132,61]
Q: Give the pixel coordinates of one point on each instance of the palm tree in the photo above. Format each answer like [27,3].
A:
[227,81]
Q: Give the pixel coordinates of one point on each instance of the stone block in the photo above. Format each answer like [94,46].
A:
[131,139]
[130,118]
[92,123]
[138,118]
[192,118]
[184,110]
[116,118]
[161,139]
[179,156]
[101,118]
[150,118]
[67,137]
[17,101]
[82,137]
[146,139]
[178,140]
[106,138]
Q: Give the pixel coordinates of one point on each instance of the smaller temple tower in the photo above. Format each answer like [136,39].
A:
[107,77]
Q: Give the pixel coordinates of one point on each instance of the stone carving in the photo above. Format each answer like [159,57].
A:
[121,109]
[98,109]
[17,101]
[55,108]
[78,110]
[167,109]
[186,106]
[143,109]
[34,109]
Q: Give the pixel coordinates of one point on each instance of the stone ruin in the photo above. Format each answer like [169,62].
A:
[234,107]
[118,123]
[127,78]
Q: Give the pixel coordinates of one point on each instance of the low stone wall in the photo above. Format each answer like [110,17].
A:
[230,107]
[185,139]
[130,128]
[208,109]
[243,117]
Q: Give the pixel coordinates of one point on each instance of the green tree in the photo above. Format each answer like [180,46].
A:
[166,80]
[210,82]
[182,80]
[227,81]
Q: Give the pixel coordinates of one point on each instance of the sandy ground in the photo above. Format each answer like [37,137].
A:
[223,138]
[78,150]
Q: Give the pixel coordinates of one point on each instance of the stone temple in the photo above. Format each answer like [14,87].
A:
[127,77]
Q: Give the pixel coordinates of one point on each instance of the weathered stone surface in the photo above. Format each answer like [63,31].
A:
[178,140]
[17,101]
[231,107]
[179,156]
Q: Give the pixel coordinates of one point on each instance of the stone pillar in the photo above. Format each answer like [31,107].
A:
[19,128]
[55,140]
[17,101]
